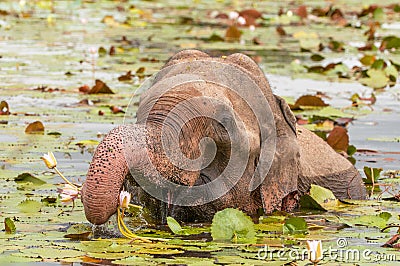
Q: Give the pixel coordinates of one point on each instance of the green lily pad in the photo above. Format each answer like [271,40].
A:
[232,225]
[29,206]
[372,174]
[134,260]
[29,178]
[379,220]
[174,225]
[9,226]
[295,225]
[377,79]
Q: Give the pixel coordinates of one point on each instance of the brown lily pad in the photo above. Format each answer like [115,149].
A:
[36,127]
[338,139]
[233,34]
[100,87]
[310,101]
[4,109]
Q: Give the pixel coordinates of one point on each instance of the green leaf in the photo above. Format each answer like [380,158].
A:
[319,198]
[79,231]
[376,79]
[174,225]
[371,174]
[351,150]
[379,14]
[295,225]
[379,220]
[29,206]
[28,178]
[233,225]
[385,215]
[9,226]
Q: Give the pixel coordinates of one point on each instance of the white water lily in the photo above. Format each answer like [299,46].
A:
[49,160]
[68,193]
[124,199]
[315,253]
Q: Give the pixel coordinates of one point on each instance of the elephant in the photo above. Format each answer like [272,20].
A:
[209,135]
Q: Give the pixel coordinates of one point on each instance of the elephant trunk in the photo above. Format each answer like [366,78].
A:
[106,174]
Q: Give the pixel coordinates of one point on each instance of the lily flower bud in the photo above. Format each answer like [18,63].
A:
[314,248]
[49,160]
[124,199]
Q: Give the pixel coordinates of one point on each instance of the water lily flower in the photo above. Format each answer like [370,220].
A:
[124,199]
[314,248]
[241,20]
[49,160]
[233,15]
[68,194]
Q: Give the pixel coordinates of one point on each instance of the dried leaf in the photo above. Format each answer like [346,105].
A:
[125,77]
[233,34]
[4,109]
[36,127]
[302,11]
[280,30]
[309,100]
[100,87]
[338,139]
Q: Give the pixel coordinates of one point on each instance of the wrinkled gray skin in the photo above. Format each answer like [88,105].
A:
[301,158]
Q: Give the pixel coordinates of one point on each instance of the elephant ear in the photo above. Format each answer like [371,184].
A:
[279,187]
[287,113]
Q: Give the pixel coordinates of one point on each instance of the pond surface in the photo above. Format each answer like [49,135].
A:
[48,50]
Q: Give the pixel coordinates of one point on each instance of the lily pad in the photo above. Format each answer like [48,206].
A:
[29,178]
[29,206]
[9,226]
[319,198]
[232,225]
[295,225]
[174,225]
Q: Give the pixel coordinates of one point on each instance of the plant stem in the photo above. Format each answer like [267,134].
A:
[65,179]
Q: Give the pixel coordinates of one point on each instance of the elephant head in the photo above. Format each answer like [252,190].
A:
[169,142]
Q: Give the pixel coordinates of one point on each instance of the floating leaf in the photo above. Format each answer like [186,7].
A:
[338,139]
[368,60]
[4,109]
[377,79]
[50,253]
[100,87]
[79,231]
[390,42]
[174,225]
[29,206]
[319,198]
[295,225]
[233,225]
[9,226]
[317,57]
[134,260]
[379,220]
[29,178]
[309,100]
[36,127]
[372,174]
[89,142]
[233,34]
